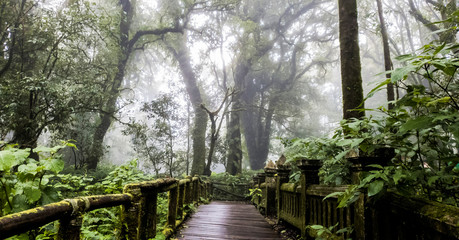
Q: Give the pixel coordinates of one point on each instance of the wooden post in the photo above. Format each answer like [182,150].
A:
[195,193]
[131,213]
[270,191]
[70,228]
[181,198]
[189,190]
[309,175]
[364,216]
[172,213]
[282,177]
[147,224]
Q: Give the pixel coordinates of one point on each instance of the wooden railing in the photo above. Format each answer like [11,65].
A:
[391,217]
[138,215]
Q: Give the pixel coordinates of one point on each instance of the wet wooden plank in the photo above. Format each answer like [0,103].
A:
[227,220]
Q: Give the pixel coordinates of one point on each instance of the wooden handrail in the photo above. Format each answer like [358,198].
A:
[392,216]
[138,201]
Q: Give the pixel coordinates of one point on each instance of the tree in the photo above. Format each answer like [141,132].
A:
[127,45]
[350,60]
[181,55]
[387,60]
[155,139]
[267,69]
[446,9]
[215,130]
[50,72]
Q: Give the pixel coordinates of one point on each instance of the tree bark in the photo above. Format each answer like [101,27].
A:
[200,121]
[351,77]
[234,160]
[97,148]
[387,60]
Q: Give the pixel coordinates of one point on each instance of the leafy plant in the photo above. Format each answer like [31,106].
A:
[255,193]
[422,128]
[325,233]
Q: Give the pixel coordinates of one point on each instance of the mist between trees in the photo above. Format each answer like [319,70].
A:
[191,87]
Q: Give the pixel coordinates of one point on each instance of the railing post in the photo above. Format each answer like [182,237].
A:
[282,177]
[70,228]
[365,216]
[189,190]
[270,191]
[309,175]
[147,224]
[172,213]
[181,198]
[195,190]
[131,213]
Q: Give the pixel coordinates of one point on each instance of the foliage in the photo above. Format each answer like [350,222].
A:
[255,193]
[245,177]
[155,140]
[54,69]
[321,233]
[25,182]
[422,128]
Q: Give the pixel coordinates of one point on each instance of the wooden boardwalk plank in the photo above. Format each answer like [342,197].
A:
[227,220]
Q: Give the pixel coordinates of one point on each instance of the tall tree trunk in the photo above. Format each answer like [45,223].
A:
[351,77]
[97,148]
[234,160]
[200,121]
[233,138]
[387,60]
[126,48]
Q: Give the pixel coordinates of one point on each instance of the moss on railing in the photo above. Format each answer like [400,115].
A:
[138,215]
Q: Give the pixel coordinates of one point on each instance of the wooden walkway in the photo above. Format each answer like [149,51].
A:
[227,220]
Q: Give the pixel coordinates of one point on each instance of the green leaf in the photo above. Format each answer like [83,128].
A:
[54,165]
[397,176]
[12,157]
[32,193]
[316,227]
[335,194]
[375,187]
[417,123]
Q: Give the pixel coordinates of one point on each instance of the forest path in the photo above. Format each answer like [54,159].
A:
[227,220]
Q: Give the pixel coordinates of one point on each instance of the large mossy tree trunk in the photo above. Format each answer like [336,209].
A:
[234,137]
[351,77]
[182,56]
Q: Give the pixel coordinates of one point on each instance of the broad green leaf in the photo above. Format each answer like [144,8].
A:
[404,57]
[54,165]
[417,123]
[7,160]
[12,157]
[397,176]
[316,227]
[335,194]
[375,187]
[32,193]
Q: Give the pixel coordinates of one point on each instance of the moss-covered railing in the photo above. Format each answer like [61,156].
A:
[138,215]
[391,217]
